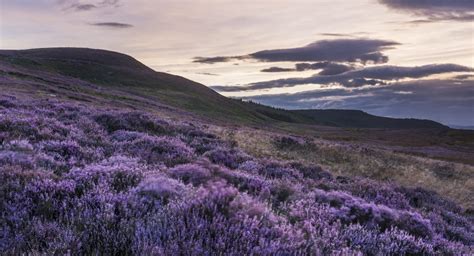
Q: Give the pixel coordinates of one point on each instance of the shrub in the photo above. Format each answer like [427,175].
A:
[229,157]
[160,187]
[154,150]
[311,172]
[289,142]
[117,173]
[275,169]
[190,173]
[133,121]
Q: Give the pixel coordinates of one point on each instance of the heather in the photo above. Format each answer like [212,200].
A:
[79,179]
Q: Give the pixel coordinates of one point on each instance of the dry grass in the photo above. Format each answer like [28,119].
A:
[452,180]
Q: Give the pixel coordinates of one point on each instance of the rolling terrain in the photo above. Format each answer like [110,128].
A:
[103,155]
[120,71]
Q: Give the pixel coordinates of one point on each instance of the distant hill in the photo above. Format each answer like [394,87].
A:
[462,127]
[361,119]
[119,71]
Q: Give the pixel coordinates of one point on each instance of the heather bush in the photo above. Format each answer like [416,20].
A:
[160,187]
[217,220]
[275,169]
[154,150]
[117,173]
[18,159]
[389,242]
[132,121]
[288,142]
[249,183]
[8,102]
[228,157]
[126,136]
[80,180]
[311,172]
[31,127]
[376,192]
[282,190]
[190,173]
[203,144]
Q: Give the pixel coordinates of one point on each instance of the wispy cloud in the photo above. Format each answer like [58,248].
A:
[112,25]
[337,50]
[376,75]
[207,74]
[83,7]
[277,69]
[77,5]
[212,60]
[326,67]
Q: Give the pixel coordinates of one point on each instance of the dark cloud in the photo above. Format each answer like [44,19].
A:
[83,7]
[445,101]
[77,5]
[212,60]
[335,34]
[337,50]
[112,25]
[310,66]
[326,67]
[376,75]
[360,81]
[435,10]
[464,77]
[277,69]
[388,72]
[357,34]
[335,69]
[207,74]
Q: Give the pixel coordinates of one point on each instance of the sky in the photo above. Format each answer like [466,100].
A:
[396,58]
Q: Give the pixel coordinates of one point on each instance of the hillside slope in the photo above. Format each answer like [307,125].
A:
[116,70]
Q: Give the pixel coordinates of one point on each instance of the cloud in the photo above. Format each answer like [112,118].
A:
[78,6]
[337,50]
[207,74]
[376,75]
[335,34]
[311,66]
[112,25]
[447,101]
[83,7]
[277,69]
[435,10]
[212,60]
[340,50]
[464,77]
[326,67]
[347,35]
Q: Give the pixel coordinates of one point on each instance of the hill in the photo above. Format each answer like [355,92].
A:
[121,71]
[360,119]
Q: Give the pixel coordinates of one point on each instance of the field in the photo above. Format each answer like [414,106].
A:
[136,162]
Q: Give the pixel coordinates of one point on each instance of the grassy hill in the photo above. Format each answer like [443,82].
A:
[120,71]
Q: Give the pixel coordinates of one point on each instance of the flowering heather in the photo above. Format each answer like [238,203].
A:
[81,180]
